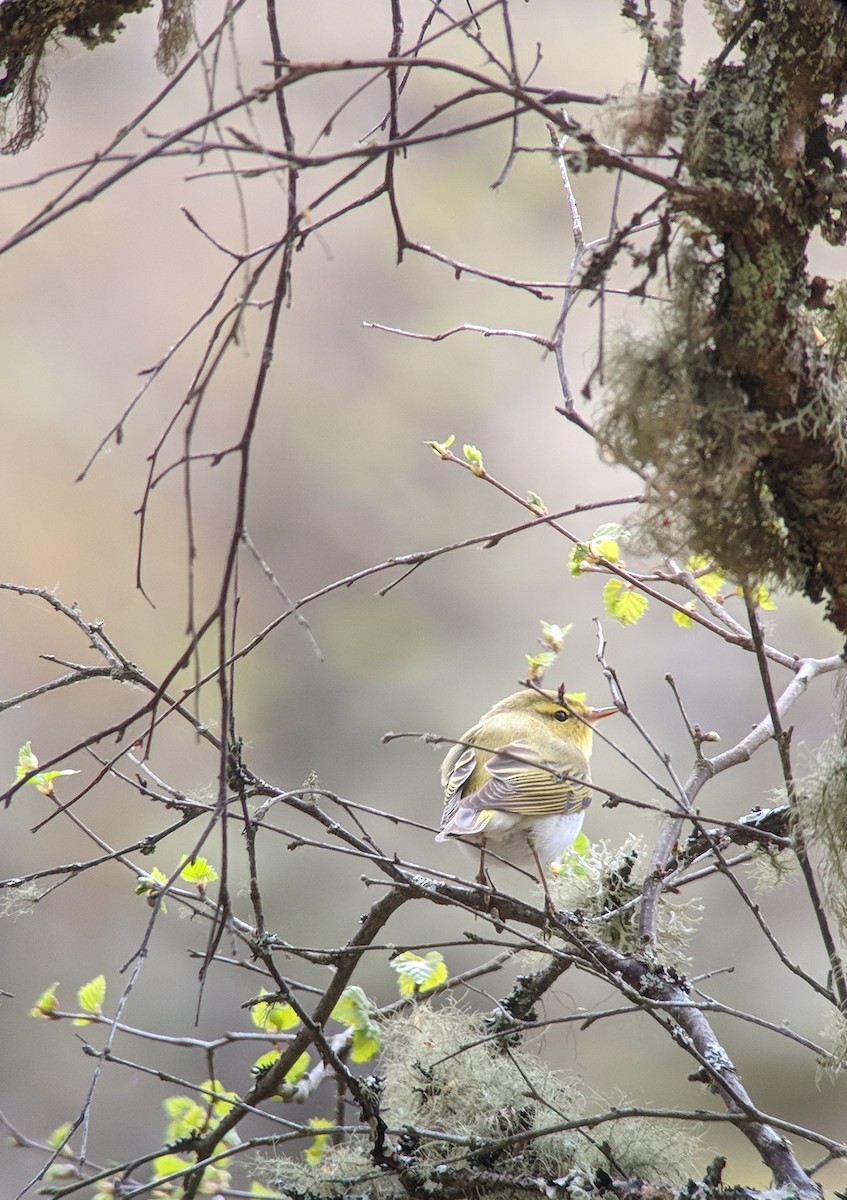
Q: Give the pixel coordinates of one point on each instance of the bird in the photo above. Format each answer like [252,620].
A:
[517,782]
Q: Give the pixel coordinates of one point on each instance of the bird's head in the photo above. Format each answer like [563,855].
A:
[562,713]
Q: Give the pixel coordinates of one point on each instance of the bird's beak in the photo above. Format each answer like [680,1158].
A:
[594,714]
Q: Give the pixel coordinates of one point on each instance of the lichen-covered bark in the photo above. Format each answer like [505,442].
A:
[758,145]
[26,30]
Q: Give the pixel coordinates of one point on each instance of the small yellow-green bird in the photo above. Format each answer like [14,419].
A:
[516,783]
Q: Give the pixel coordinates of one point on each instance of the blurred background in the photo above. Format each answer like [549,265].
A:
[340,480]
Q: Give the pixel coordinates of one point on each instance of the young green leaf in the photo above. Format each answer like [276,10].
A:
[354,1009]
[169,1164]
[185,1117]
[623,603]
[264,1061]
[57,1138]
[604,548]
[296,1073]
[712,582]
[682,619]
[578,559]
[572,860]
[554,635]
[46,1004]
[416,974]
[272,1016]
[537,664]
[314,1153]
[44,779]
[761,597]
[90,998]
[611,530]
[442,449]
[367,1044]
[198,872]
[150,884]
[474,458]
[221,1100]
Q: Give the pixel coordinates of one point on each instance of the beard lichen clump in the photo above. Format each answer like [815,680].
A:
[443,1073]
[605,887]
[821,811]
[680,419]
[464,1109]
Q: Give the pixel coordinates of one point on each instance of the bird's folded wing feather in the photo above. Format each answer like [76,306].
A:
[458,768]
[521,781]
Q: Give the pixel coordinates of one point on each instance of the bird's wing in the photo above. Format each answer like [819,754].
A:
[457,771]
[523,781]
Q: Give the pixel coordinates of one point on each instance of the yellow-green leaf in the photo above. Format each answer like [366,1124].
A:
[150,884]
[354,1009]
[623,603]
[554,635]
[578,559]
[416,974]
[610,529]
[272,1016]
[264,1061]
[572,860]
[169,1164]
[90,998]
[295,1074]
[46,1004]
[712,583]
[58,1137]
[186,1116]
[366,1044]
[442,449]
[44,779]
[606,548]
[761,597]
[198,871]
[682,619]
[580,846]
[474,458]
[223,1100]
[537,664]
[26,760]
[314,1153]
[150,881]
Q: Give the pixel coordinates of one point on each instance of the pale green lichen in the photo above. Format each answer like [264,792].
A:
[821,812]
[606,886]
[769,869]
[19,901]
[459,1102]
[834,1063]
[176,28]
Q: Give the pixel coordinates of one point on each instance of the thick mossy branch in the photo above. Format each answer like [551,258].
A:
[733,402]
[28,29]
[677,412]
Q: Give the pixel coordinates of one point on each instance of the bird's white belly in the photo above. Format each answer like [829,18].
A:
[510,836]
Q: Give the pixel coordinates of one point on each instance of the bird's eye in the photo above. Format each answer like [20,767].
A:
[561,715]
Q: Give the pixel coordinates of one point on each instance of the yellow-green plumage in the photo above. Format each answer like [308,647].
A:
[517,781]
